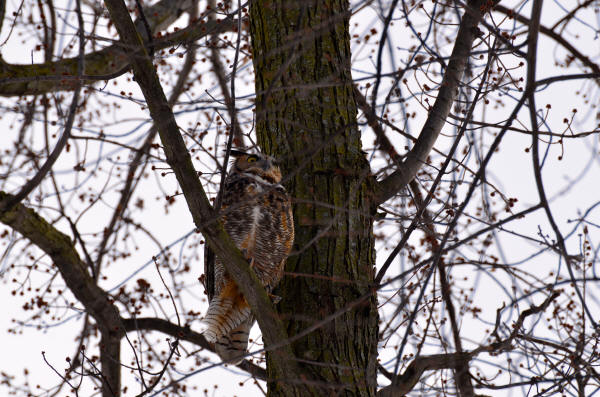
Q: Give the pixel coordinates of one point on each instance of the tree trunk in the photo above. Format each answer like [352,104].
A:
[306,116]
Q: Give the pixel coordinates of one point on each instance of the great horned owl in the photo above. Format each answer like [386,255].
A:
[256,212]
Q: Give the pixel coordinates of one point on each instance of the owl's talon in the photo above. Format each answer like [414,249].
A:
[203,328]
[275,298]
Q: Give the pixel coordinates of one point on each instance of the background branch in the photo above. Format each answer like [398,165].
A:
[438,113]
[105,64]
[405,382]
[73,270]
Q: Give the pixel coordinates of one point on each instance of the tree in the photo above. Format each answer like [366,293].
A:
[444,308]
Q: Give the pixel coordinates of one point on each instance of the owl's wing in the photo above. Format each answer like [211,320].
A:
[235,190]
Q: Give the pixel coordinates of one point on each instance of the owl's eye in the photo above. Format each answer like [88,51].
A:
[252,159]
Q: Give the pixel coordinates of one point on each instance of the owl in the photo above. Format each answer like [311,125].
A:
[256,212]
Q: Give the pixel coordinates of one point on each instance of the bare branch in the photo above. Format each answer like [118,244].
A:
[185,334]
[405,382]
[136,162]
[219,71]
[64,138]
[462,377]
[554,36]
[534,27]
[105,64]
[438,113]
[60,248]
[73,270]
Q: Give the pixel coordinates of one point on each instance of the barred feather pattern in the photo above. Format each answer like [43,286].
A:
[231,347]
[225,313]
[256,212]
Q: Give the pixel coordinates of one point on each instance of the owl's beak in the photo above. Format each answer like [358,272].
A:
[266,165]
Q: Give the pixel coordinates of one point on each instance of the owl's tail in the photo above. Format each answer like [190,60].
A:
[232,347]
[225,313]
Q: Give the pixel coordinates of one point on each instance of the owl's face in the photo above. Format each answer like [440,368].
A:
[258,164]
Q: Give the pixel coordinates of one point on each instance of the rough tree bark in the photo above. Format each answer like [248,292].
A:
[306,116]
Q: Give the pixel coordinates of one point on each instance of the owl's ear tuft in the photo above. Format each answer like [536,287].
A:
[237,153]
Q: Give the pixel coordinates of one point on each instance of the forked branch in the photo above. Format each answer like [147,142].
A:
[405,382]
[440,110]
[107,63]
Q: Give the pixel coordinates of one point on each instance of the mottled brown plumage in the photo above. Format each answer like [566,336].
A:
[256,212]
